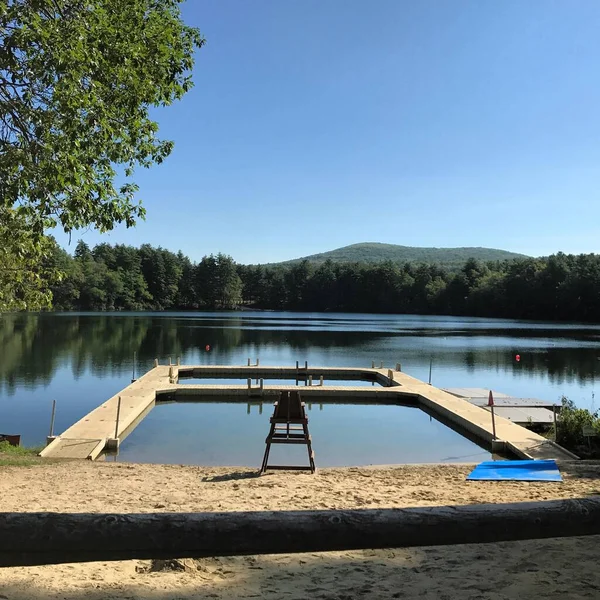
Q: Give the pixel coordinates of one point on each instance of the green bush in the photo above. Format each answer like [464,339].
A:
[6,448]
[570,426]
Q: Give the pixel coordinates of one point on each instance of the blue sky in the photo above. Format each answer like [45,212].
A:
[314,124]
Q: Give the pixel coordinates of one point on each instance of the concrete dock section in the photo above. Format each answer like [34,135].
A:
[99,429]
[107,425]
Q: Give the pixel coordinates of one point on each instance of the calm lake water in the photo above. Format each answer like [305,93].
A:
[82,359]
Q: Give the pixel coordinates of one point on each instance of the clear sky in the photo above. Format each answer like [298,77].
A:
[314,124]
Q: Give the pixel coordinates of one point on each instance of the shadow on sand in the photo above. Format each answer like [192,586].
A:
[235,476]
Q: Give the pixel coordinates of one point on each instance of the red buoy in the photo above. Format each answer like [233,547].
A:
[518,357]
[207,347]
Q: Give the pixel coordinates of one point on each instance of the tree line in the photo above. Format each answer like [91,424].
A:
[120,277]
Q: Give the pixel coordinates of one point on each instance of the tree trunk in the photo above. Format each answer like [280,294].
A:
[49,538]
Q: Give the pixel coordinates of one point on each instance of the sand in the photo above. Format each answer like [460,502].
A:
[566,568]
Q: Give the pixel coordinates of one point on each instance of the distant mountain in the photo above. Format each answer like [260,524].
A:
[374,252]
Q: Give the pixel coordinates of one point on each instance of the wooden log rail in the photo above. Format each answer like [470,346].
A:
[52,538]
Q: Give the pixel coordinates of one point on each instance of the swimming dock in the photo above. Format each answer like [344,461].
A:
[109,424]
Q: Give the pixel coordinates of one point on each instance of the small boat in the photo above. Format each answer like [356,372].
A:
[13,440]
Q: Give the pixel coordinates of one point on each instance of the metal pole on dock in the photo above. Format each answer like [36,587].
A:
[430,367]
[310,380]
[248,362]
[52,418]
[118,416]
[398,367]
[491,405]
[156,362]
[372,364]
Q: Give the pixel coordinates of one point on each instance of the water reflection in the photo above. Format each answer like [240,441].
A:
[35,347]
[194,433]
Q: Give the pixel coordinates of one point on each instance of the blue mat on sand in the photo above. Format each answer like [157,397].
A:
[516,470]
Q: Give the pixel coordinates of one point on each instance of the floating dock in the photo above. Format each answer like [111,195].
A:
[106,426]
[523,411]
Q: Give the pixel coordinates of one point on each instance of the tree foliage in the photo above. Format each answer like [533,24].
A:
[570,430]
[77,81]
[560,287]
[27,265]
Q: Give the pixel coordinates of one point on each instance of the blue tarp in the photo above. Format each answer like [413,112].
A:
[516,470]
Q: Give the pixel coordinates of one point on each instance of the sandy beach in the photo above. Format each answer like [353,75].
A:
[566,568]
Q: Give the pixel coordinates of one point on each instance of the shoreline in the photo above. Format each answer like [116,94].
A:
[551,568]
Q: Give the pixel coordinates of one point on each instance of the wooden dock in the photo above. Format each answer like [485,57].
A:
[99,430]
[523,411]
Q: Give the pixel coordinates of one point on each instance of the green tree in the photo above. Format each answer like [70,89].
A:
[26,269]
[77,81]
[217,282]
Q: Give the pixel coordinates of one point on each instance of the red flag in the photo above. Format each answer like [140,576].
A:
[490,399]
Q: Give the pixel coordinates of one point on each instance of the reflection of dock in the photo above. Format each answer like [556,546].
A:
[102,429]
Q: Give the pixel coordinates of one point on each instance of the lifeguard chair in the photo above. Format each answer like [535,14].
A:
[289,425]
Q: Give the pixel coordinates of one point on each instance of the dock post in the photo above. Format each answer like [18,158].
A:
[51,436]
[156,362]
[114,443]
[430,367]
[381,367]
[171,373]
[133,368]
[248,362]
[372,364]
[398,367]
[321,381]
[257,362]
[249,385]
[306,364]
[310,380]
[491,405]
[170,361]
[297,365]
[390,375]
[179,361]
[262,385]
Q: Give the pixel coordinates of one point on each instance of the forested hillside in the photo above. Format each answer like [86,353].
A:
[560,287]
[375,252]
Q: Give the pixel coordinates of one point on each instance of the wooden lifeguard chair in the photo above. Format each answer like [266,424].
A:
[289,425]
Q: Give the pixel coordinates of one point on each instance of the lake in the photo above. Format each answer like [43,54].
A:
[82,359]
